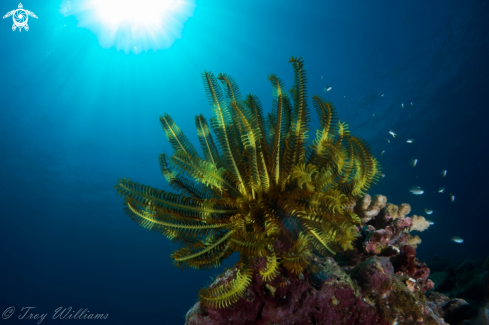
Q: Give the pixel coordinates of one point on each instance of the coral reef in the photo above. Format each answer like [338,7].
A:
[380,281]
[313,247]
[324,294]
[454,311]
[464,287]
[323,291]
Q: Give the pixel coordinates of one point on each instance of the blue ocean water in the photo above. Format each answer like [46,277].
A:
[75,116]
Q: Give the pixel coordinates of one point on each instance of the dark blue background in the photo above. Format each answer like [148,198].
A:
[75,117]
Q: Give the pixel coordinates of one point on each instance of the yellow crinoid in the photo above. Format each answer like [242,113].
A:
[260,189]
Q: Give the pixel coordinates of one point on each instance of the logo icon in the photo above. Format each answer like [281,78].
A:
[20,17]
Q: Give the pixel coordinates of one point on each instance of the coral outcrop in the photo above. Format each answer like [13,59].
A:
[370,293]
[380,281]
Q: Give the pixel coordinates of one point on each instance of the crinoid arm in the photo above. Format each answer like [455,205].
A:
[227,294]
[271,269]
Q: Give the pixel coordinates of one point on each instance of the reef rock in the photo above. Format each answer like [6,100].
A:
[379,281]
[370,293]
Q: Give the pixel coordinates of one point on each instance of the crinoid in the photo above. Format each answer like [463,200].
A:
[260,189]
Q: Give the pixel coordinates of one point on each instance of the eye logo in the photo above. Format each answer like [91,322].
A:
[20,17]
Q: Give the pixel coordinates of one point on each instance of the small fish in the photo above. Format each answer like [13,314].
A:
[402,105]
[382,95]
[430,222]
[416,190]
[414,162]
[452,198]
[382,152]
[327,89]
[321,77]
[441,189]
[444,173]
[428,211]
[410,141]
[382,175]
[392,133]
[389,141]
[412,104]
[458,240]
